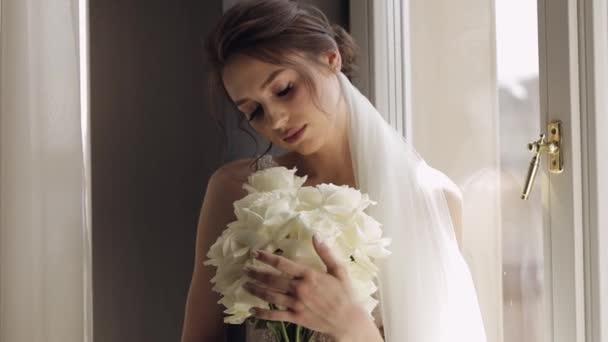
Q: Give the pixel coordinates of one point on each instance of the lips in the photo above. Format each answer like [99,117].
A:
[291,132]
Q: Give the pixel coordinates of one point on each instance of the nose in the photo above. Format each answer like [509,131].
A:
[278,120]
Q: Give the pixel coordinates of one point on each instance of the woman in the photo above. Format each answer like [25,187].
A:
[287,69]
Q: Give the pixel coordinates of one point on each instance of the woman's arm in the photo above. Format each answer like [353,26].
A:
[203,320]
[443,187]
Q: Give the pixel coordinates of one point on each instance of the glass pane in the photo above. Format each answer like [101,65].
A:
[475,106]
[521,221]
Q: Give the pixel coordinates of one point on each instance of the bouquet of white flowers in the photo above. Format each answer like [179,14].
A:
[280,216]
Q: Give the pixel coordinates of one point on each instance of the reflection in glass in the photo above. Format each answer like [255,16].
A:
[521,221]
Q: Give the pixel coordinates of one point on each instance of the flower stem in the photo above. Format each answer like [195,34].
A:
[284,332]
[311,334]
[298,331]
[275,332]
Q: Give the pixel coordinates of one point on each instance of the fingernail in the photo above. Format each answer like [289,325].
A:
[255,253]
[252,311]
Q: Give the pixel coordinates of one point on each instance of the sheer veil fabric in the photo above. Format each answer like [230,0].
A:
[425,286]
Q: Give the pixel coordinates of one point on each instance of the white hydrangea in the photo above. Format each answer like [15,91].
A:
[280,214]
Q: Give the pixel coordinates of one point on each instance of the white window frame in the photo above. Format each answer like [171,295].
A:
[573,40]
[593,37]
[384,44]
[559,99]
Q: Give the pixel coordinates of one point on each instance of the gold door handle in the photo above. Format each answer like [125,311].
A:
[551,147]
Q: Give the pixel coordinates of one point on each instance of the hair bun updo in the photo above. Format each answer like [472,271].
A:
[265,29]
[348,50]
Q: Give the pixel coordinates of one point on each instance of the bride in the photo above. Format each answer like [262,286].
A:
[287,70]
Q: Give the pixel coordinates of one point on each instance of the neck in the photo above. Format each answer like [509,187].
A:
[332,163]
[329,166]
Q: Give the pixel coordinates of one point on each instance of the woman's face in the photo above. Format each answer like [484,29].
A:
[277,103]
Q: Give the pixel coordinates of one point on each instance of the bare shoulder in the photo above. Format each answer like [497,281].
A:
[225,186]
[236,170]
[229,178]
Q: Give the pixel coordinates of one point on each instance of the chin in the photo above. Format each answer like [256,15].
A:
[307,147]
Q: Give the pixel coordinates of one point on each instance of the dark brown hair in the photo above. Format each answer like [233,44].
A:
[270,30]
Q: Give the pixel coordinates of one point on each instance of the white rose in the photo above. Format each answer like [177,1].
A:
[319,221]
[362,283]
[226,247]
[309,198]
[274,178]
[303,252]
[343,200]
[238,302]
[269,210]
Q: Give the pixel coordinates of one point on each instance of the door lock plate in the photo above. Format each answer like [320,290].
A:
[556,161]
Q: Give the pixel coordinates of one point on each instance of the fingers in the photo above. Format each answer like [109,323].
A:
[271,296]
[274,315]
[273,281]
[282,264]
[334,267]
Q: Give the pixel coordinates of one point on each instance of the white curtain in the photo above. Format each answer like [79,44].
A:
[45,250]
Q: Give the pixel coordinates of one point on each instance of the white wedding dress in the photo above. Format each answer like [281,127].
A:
[265,335]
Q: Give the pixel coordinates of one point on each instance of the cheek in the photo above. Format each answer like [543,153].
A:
[326,111]
[301,99]
[328,100]
[317,109]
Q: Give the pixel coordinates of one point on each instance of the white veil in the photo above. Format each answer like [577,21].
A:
[426,290]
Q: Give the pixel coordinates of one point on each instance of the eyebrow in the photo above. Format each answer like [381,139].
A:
[270,78]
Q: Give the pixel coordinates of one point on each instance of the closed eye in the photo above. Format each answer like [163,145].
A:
[282,93]
[285,91]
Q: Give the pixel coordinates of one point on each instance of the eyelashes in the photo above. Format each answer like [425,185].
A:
[280,94]
[285,91]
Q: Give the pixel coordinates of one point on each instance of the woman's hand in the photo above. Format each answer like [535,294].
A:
[322,302]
